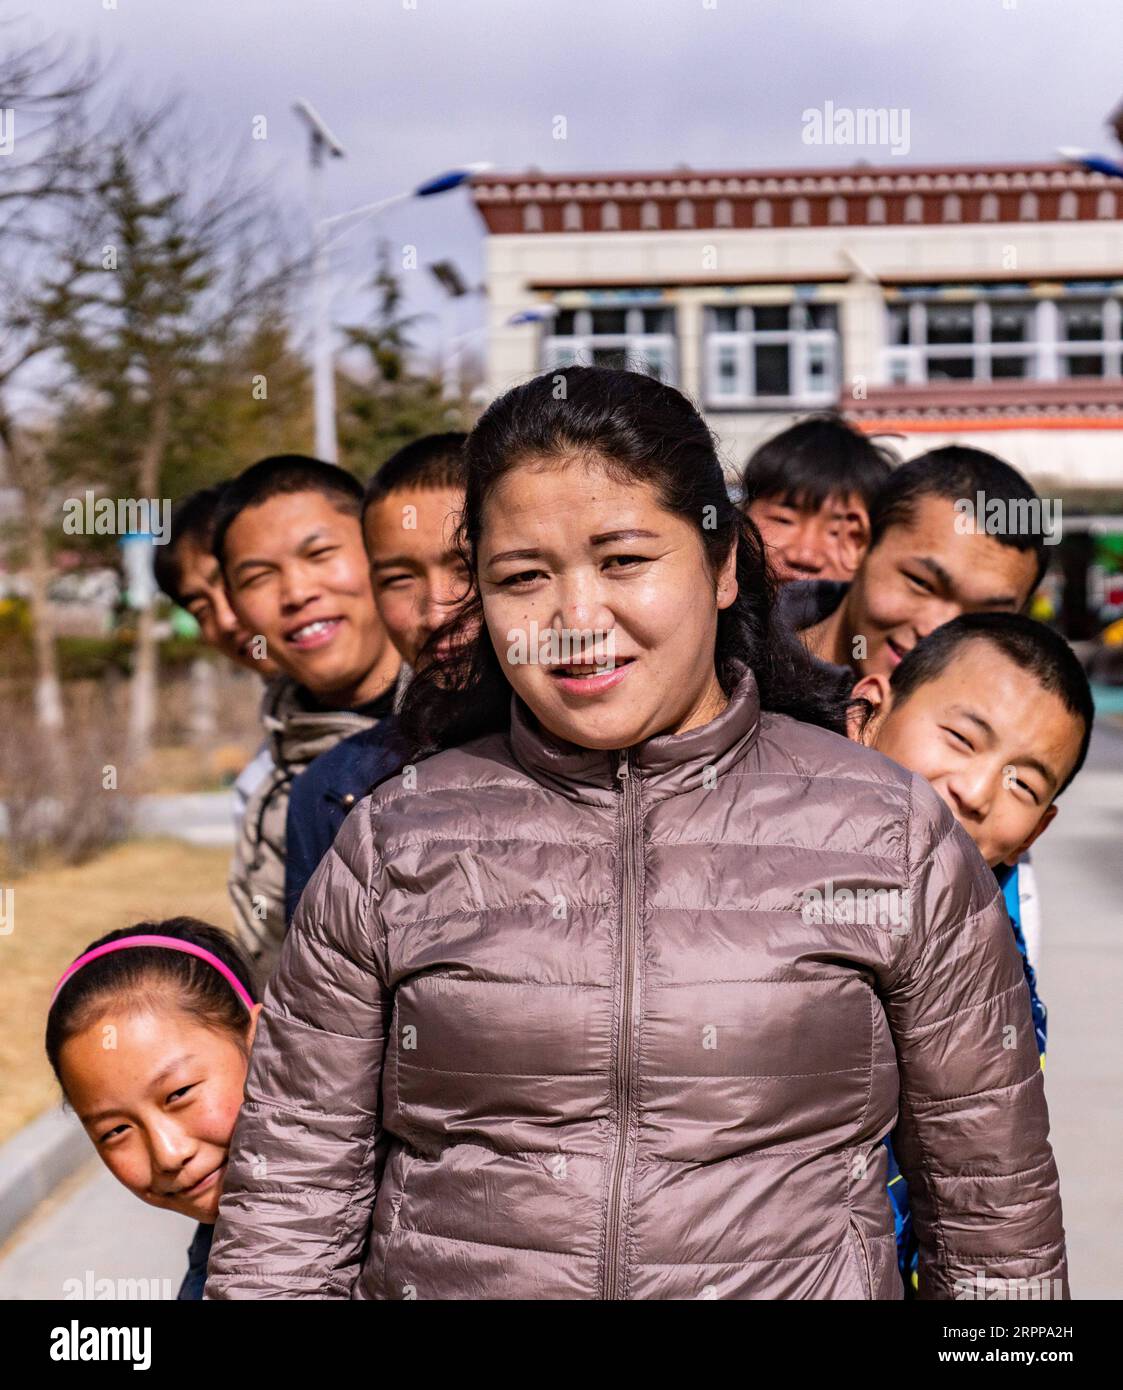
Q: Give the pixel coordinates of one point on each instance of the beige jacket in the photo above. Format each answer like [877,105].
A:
[295,735]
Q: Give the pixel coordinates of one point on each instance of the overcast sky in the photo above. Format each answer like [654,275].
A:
[412,87]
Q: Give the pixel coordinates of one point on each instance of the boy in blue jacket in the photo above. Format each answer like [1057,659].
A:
[995,711]
[410,515]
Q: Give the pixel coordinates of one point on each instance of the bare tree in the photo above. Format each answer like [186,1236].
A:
[154,286]
[43,94]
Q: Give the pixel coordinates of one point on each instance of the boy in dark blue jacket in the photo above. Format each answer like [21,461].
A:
[410,517]
[995,711]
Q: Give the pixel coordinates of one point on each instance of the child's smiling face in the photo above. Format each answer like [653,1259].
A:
[994,743]
[809,542]
[924,572]
[159,1093]
[418,574]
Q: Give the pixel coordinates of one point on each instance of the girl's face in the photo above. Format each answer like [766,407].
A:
[159,1094]
[600,604]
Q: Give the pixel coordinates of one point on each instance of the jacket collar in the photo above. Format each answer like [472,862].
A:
[297,733]
[666,765]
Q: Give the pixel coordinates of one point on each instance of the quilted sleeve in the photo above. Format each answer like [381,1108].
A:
[972,1136]
[300,1184]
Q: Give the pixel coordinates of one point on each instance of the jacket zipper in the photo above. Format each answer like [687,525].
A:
[624,1060]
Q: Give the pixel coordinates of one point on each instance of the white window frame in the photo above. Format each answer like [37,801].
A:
[1045,350]
[576,348]
[803,344]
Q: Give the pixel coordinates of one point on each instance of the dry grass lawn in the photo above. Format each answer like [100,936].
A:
[58,911]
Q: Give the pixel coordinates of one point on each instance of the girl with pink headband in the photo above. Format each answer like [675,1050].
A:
[149,1034]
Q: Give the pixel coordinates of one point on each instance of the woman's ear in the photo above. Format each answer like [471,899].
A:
[251,1032]
[872,699]
[727,579]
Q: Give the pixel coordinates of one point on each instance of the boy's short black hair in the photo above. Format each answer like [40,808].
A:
[193,518]
[432,462]
[815,459]
[1030,645]
[957,472]
[280,474]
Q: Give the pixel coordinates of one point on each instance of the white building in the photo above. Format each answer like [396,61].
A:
[980,303]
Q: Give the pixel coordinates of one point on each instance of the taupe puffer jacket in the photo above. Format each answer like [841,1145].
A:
[557,1023]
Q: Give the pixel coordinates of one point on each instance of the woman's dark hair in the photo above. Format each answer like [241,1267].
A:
[639,431]
[141,973]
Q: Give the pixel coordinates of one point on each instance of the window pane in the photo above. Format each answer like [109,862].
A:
[658,320]
[610,357]
[822,316]
[610,320]
[951,368]
[726,382]
[1009,367]
[1090,365]
[898,325]
[723,320]
[1082,322]
[819,358]
[772,318]
[950,323]
[564,323]
[1011,323]
[773,377]
[559,355]
[652,361]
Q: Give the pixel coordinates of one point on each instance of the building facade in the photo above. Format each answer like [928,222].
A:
[977,303]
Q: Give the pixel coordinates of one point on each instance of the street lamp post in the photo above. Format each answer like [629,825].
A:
[321,141]
[323,368]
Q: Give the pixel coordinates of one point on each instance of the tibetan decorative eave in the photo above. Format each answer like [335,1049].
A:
[1075,404]
[861,195]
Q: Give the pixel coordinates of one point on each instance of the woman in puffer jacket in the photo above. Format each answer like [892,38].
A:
[616,994]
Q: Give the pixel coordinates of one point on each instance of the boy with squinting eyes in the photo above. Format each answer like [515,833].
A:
[995,711]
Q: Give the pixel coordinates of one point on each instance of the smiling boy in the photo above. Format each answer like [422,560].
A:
[187,571]
[411,511]
[809,490]
[995,711]
[289,540]
[923,568]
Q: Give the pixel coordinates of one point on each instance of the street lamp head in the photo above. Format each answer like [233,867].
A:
[1094,163]
[540,314]
[322,138]
[453,178]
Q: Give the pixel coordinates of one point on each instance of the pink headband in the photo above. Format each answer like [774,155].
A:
[171,943]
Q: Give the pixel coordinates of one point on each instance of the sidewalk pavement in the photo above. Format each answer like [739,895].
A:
[92,1229]
[1079,865]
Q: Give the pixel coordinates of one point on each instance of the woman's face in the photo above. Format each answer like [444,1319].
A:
[158,1094]
[600,604]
